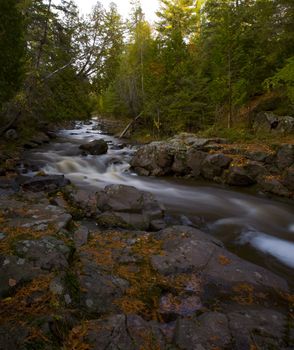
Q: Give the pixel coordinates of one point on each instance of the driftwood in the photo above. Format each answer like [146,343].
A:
[129,125]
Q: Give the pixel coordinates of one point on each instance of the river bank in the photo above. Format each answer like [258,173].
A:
[86,266]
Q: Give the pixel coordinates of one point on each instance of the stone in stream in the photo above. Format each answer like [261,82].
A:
[96,147]
[187,250]
[45,183]
[214,164]
[127,207]
[155,159]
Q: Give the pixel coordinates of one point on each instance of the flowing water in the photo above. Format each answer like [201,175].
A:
[256,228]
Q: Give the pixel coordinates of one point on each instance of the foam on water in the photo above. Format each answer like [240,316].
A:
[281,249]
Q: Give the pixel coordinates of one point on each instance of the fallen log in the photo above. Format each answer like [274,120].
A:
[129,125]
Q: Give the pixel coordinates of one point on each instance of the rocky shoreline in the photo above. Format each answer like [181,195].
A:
[82,270]
[269,169]
[101,271]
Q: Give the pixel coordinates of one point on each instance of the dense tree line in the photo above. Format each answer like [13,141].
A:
[203,62]
[200,64]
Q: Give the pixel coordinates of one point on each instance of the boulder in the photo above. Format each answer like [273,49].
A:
[180,166]
[187,250]
[84,201]
[154,159]
[214,164]
[270,122]
[45,183]
[273,185]
[126,206]
[195,159]
[244,173]
[96,147]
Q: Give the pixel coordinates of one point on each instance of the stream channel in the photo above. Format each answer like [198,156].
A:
[254,227]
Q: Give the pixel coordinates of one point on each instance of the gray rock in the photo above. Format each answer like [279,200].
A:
[126,206]
[209,331]
[81,236]
[263,328]
[96,147]
[288,180]
[239,176]
[285,156]
[156,158]
[99,289]
[195,159]
[273,185]
[45,183]
[214,164]
[14,272]
[189,250]
[124,332]
[48,253]
[83,200]
[180,166]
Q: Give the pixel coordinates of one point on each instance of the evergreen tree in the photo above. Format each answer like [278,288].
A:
[12,49]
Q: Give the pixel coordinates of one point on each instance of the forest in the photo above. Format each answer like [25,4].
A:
[202,65]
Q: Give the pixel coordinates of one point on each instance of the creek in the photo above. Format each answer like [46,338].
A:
[254,227]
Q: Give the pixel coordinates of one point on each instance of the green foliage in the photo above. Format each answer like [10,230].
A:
[11,49]
[283,78]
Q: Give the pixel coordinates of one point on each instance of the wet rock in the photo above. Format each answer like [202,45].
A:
[111,220]
[262,328]
[123,332]
[195,159]
[40,138]
[288,180]
[99,289]
[226,273]
[156,159]
[45,183]
[96,147]
[285,156]
[180,166]
[83,200]
[214,164]
[239,176]
[208,331]
[48,253]
[273,185]
[187,250]
[14,272]
[126,206]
